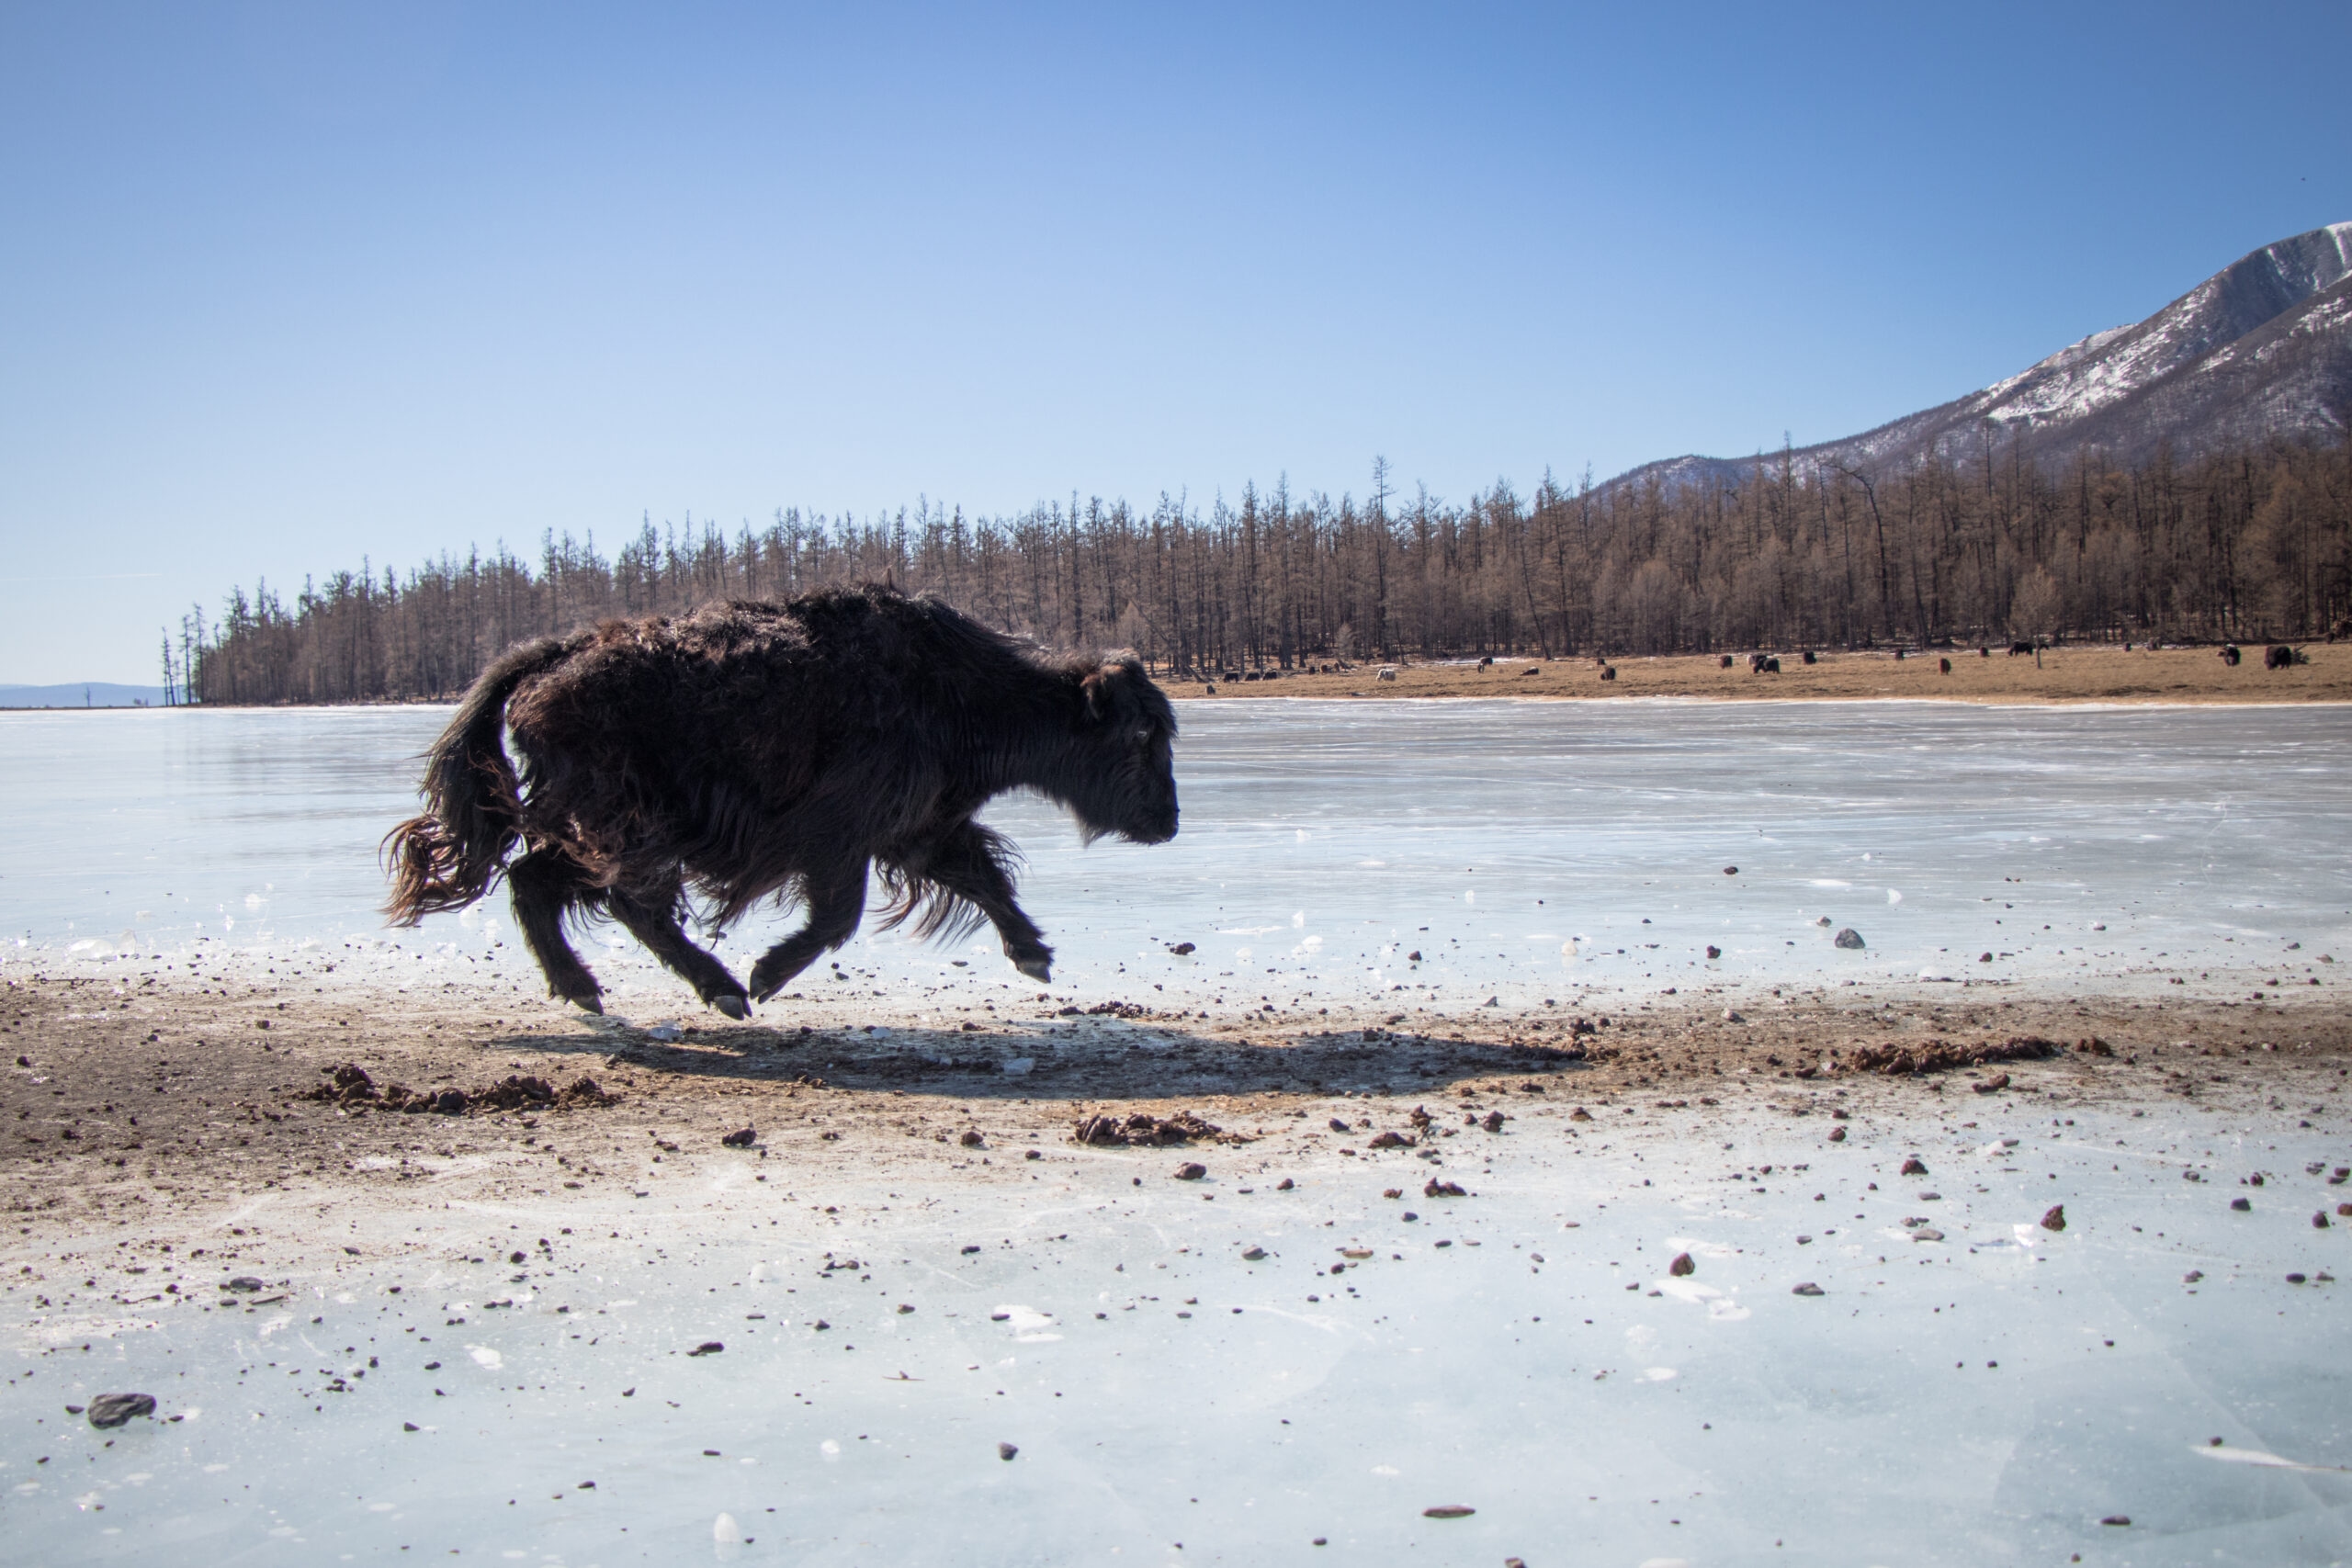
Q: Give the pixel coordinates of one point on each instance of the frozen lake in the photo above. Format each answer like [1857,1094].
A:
[1524,850]
[1968,1388]
[439,1360]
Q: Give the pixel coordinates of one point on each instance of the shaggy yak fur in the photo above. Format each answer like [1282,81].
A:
[750,750]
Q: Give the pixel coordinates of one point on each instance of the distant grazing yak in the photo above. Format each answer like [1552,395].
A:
[750,750]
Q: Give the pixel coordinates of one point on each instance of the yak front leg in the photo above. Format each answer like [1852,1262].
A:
[973,864]
[652,919]
[836,900]
[546,888]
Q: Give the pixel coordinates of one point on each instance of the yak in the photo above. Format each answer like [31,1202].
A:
[750,750]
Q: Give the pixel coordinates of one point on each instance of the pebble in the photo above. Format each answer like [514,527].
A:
[109,1410]
[707,1347]
[1006,1450]
[1191,1171]
[1915,1166]
[1836,1134]
[2056,1220]
[1254,1255]
[1284,1185]
[1681,1265]
[2243,1205]
[1808,1289]
[1849,938]
[1447,1511]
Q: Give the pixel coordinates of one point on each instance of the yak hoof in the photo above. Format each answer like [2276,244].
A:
[1039,969]
[732,1006]
[589,1004]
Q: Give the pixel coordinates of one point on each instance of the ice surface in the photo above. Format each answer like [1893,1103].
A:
[1524,850]
[1989,1397]
[1244,1409]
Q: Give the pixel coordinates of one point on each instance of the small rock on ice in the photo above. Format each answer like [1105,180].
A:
[111,1410]
[1848,937]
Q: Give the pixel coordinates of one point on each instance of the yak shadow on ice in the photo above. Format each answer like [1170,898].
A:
[1087,1059]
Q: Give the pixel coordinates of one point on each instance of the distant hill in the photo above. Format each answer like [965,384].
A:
[82,694]
[2261,349]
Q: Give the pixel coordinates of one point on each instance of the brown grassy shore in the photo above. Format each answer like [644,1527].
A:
[158,1109]
[2088,674]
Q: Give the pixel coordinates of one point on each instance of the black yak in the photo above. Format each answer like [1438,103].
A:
[2279,656]
[750,750]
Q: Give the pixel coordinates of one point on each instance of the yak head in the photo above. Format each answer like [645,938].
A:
[1123,774]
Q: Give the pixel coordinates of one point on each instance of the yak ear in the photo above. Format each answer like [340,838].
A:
[1102,694]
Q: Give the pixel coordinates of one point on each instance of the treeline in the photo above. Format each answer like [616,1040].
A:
[2249,543]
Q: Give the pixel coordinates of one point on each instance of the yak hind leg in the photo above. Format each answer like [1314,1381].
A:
[652,919]
[971,861]
[836,902]
[546,887]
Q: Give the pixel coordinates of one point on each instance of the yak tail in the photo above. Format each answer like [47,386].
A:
[450,856]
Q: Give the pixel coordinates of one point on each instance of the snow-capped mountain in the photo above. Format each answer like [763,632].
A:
[2261,349]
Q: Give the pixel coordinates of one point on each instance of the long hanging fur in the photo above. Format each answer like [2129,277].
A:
[451,855]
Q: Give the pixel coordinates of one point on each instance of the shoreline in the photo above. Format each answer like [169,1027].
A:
[2065,677]
[2075,676]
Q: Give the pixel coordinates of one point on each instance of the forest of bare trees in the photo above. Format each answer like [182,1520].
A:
[2249,543]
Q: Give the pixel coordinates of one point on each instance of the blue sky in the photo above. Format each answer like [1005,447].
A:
[286,285]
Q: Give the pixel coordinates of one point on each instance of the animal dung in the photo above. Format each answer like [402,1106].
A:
[2056,1220]
[1915,1166]
[1191,1171]
[707,1347]
[1447,1511]
[742,1138]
